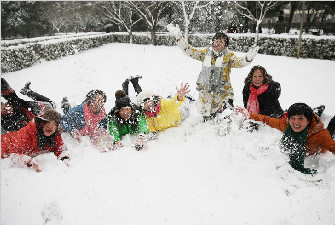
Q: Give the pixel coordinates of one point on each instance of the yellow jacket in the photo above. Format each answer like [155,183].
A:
[168,116]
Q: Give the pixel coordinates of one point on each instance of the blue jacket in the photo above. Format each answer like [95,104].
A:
[74,119]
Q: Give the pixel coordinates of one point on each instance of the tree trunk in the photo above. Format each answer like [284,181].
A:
[294,6]
[186,32]
[301,28]
[153,36]
[130,36]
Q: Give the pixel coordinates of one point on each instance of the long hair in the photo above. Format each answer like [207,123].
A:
[267,77]
[114,114]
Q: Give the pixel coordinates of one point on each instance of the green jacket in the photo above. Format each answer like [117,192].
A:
[117,133]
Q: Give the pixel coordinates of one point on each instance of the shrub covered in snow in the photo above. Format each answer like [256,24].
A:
[18,55]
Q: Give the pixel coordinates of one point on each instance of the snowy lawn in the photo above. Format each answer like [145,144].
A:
[190,175]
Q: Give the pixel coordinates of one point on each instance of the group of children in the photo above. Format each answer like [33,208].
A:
[30,128]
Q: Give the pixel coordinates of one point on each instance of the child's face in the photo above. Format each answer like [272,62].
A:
[125,113]
[49,128]
[149,105]
[298,123]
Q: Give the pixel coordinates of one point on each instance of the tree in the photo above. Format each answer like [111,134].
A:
[189,8]
[150,12]
[262,8]
[293,8]
[119,13]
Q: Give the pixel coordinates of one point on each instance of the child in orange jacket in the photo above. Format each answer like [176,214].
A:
[304,134]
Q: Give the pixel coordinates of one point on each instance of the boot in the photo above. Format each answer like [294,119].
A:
[125,85]
[26,88]
[319,110]
[65,105]
[134,81]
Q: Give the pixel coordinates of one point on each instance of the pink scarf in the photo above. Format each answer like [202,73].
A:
[155,112]
[253,105]
[92,121]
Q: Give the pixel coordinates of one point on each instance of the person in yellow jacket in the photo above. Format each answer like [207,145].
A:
[213,83]
[163,113]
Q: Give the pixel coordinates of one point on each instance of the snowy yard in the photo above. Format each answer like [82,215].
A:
[190,175]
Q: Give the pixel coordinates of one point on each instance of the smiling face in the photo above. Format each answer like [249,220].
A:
[149,105]
[49,128]
[298,123]
[97,104]
[219,45]
[257,78]
[125,113]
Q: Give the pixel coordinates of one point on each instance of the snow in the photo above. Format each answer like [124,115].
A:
[190,175]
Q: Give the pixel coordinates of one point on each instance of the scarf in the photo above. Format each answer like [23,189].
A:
[44,140]
[210,77]
[294,144]
[92,121]
[155,112]
[253,104]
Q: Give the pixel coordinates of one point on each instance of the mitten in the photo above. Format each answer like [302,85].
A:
[174,30]
[252,53]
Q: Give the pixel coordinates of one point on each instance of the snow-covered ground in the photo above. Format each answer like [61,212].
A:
[190,175]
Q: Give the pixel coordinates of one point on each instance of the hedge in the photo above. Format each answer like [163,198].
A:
[21,56]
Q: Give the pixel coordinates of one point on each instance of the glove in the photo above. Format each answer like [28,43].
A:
[117,145]
[174,30]
[105,142]
[252,53]
[140,143]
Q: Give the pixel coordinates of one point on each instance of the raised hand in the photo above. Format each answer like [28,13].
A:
[183,91]
[252,53]
[174,30]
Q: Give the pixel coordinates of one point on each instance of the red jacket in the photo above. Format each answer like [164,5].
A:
[24,141]
[317,136]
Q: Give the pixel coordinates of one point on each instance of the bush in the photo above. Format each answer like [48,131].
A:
[19,56]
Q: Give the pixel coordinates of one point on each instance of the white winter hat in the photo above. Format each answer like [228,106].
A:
[143,95]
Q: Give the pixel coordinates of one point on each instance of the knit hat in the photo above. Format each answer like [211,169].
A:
[121,99]
[50,115]
[143,96]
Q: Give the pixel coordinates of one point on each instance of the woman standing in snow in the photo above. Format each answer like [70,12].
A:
[89,119]
[126,118]
[304,134]
[41,135]
[213,84]
[16,112]
[261,93]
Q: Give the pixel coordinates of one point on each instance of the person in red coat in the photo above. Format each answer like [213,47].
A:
[41,135]
[304,134]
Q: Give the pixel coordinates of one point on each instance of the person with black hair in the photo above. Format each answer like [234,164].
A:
[126,118]
[261,93]
[304,134]
[213,83]
[16,112]
[89,119]
[41,135]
